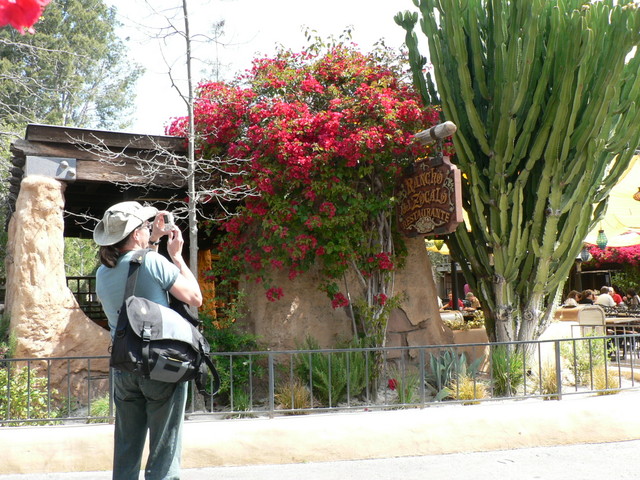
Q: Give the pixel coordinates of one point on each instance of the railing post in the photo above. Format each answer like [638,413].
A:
[558,370]
[423,379]
[272,385]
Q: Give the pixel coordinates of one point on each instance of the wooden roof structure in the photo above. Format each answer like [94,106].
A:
[99,168]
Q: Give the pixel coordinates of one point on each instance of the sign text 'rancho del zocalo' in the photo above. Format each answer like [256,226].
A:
[431,199]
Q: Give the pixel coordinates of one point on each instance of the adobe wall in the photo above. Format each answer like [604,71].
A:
[306,311]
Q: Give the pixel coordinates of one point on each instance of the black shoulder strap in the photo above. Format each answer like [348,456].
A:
[134,264]
[201,379]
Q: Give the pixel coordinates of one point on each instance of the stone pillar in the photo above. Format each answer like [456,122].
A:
[44,315]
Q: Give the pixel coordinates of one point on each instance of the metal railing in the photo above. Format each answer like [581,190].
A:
[84,290]
[269,383]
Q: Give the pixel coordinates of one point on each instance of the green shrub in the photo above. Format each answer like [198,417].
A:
[24,395]
[507,368]
[581,356]
[235,371]
[333,376]
[447,368]
[100,407]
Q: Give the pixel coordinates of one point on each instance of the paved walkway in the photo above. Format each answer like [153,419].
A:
[387,445]
[584,462]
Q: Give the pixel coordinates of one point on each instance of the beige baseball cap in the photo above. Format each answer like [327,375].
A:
[120,220]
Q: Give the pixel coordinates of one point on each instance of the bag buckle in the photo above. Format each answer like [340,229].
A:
[146,333]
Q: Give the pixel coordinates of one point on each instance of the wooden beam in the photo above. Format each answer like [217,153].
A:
[68,135]
[91,166]
[93,171]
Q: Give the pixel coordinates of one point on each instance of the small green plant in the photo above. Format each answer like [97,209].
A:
[100,407]
[507,368]
[333,376]
[24,396]
[293,395]
[467,388]
[446,368]
[581,356]
[460,323]
[405,383]
[7,338]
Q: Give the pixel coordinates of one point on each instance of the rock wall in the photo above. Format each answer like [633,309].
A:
[304,310]
[44,315]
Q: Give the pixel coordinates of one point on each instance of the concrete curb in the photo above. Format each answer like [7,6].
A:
[343,436]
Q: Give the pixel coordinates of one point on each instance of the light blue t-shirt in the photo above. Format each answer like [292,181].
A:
[155,277]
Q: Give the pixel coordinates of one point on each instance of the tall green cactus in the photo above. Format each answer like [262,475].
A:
[546,97]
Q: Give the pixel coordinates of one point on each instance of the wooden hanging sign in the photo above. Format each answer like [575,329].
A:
[431,199]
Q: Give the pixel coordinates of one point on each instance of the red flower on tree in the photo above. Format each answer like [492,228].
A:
[21,14]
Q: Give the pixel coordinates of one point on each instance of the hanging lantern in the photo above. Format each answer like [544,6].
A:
[438,243]
[636,196]
[601,240]
[584,254]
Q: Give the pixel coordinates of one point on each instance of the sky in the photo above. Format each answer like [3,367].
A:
[253,28]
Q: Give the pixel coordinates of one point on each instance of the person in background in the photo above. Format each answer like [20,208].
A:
[613,291]
[632,299]
[604,299]
[473,302]
[572,299]
[143,405]
[586,297]
[449,306]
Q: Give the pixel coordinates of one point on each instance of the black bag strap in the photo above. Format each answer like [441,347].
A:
[201,378]
[134,266]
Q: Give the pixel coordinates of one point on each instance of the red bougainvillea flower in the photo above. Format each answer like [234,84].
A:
[615,255]
[393,383]
[339,300]
[274,293]
[21,14]
[380,299]
[324,138]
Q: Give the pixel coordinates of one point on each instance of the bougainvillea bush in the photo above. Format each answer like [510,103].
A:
[626,256]
[624,261]
[327,135]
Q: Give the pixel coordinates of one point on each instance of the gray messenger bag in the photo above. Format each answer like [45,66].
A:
[159,343]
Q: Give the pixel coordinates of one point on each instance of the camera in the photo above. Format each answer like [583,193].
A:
[168,221]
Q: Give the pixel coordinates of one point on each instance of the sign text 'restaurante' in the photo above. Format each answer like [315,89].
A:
[430,199]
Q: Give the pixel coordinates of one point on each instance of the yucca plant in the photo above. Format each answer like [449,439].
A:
[333,376]
[448,367]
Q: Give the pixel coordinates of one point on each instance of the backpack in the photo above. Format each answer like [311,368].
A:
[159,343]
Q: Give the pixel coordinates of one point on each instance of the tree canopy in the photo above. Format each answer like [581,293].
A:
[72,72]
[545,95]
